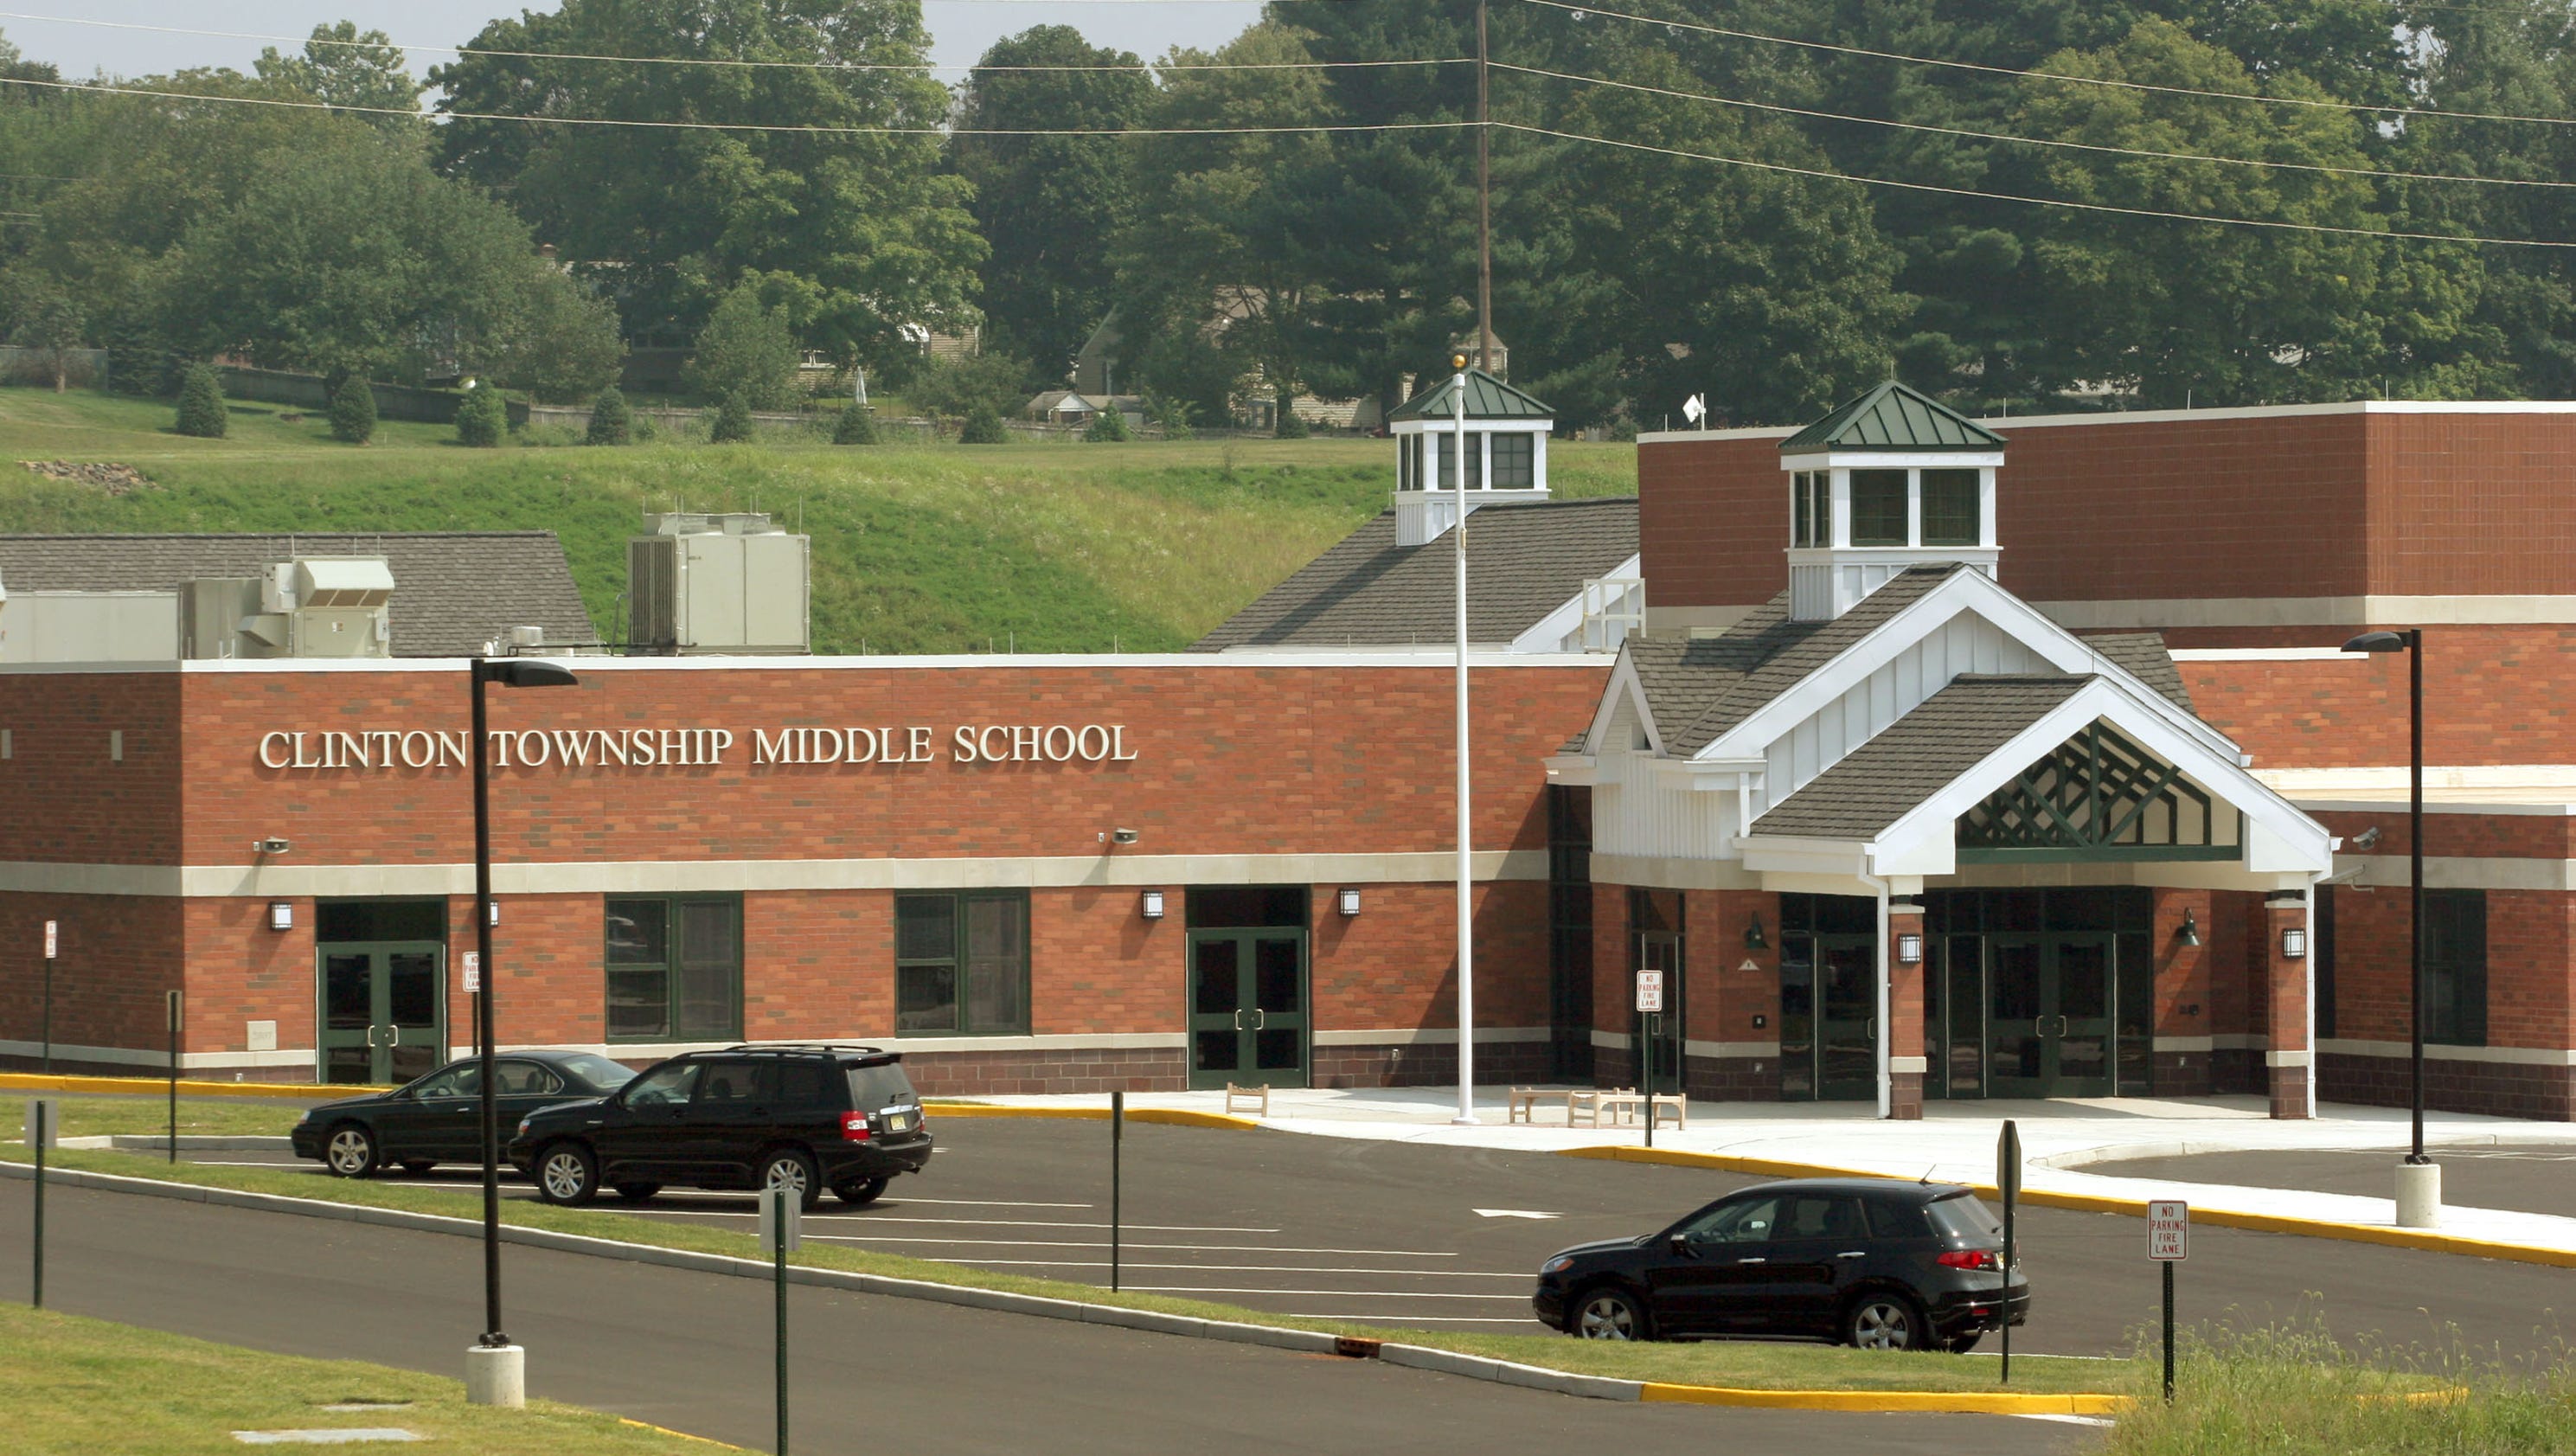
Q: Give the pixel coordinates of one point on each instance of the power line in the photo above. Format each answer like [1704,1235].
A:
[2030,141]
[1878,55]
[1821,174]
[407,47]
[740,126]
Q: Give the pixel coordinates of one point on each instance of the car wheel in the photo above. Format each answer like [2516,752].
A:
[417,1166]
[1608,1314]
[1962,1344]
[862,1191]
[1880,1320]
[637,1192]
[791,1168]
[567,1174]
[351,1151]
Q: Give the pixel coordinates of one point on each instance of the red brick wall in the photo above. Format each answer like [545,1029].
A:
[2492,695]
[2530,938]
[1713,521]
[119,954]
[2472,504]
[62,799]
[1724,998]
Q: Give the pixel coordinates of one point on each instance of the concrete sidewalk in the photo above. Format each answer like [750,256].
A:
[1955,1142]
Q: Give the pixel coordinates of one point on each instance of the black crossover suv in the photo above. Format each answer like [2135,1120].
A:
[438,1119]
[1871,1262]
[806,1117]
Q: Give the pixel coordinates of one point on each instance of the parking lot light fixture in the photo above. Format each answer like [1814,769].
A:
[2414,1209]
[494,1379]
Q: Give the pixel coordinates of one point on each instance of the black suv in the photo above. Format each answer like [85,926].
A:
[807,1117]
[1877,1263]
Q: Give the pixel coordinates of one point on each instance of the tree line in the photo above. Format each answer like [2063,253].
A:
[2013,204]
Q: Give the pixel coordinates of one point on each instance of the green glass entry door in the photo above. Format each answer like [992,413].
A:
[2048,1018]
[384,1011]
[1828,1017]
[1248,1008]
[1661,950]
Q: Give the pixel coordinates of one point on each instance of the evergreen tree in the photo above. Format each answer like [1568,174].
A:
[353,410]
[745,349]
[983,427]
[1107,427]
[856,426]
[201,403]
[611,422]
[1292,425]
[732,423]
[483,417]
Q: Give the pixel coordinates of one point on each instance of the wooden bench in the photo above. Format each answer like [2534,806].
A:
[1586,1105]
[1627,1105]
[1526,1100]
[1256,1099]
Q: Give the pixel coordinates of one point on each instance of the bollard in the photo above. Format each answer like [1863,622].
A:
[44,1123]
[1117,1135]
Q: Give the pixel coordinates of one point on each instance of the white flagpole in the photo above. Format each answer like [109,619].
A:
[1466,906]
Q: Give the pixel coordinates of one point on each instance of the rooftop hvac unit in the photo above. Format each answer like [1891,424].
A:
[314,606]
[718,584]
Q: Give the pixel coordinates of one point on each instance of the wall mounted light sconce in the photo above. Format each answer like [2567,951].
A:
[1348,901]
[1754,939]
[1909,949]
[492,912]
[2294,943]
[281,915]
[1151,905]
[2190,932]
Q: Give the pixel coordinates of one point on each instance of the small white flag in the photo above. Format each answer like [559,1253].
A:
[1695,408]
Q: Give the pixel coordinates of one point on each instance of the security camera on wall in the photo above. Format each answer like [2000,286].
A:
[1122,836]
[270,846]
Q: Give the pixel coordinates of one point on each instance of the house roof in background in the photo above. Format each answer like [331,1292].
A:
[1893,417]
[453,590]
[1523,562]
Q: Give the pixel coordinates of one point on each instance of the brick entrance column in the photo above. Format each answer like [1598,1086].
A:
[2288,1060]
[1905,1061]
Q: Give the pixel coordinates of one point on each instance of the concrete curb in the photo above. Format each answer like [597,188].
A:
[115,1086]
[2385,1236]
[188,1142]
[1167,1116]
[1317,1342]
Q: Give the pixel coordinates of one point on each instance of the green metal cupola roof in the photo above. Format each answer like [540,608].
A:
[1488,398]
[1893,417]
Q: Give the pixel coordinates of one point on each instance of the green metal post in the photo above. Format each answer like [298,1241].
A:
[779,1222]
[2169,1358]
[174,1077]
[42,1116]
[1647,1077]
[1117,1136]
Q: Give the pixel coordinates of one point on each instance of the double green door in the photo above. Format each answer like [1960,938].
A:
[2048,1024]
[1829,1017]
[1247,1008]
[384,1011]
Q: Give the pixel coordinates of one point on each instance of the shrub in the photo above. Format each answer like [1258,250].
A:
[983,427]
[1292,426]
[1174,415]
[483,417]
[611,422]
[201,403]
[745,349]
[353,411]
[732,422]
[856,426]
[1107,427]
[567,343]
[955,386]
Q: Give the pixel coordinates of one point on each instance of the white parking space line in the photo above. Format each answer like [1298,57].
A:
[1373,1316]
[1316,1293]
[1242,1268]
[1154,1228]
[1102,1244]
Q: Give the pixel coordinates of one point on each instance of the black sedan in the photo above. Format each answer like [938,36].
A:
[438,1118]
[1876,1263]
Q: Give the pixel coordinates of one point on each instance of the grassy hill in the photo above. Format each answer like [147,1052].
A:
[934,548]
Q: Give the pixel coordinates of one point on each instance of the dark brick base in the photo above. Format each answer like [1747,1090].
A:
[1002,1073]
[2499,1089]
[2182,1074]
[1510,1063]
[1734,1079]
[2238,1070]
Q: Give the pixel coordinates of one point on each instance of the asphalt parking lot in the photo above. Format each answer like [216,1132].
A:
[2523,1180]
[1445,1237]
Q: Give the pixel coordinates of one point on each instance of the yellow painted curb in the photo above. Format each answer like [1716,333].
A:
[683,1435]
[38,1082]
[2270,1223]
[1964,1402]
[1167,1116]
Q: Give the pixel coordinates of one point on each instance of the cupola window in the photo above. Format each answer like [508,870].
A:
[1950,508]
[1878,508]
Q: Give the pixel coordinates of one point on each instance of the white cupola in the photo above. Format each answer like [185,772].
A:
[1505,456]
[1891,480]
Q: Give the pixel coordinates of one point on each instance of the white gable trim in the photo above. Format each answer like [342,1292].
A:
[1548,633]
[1962,591]
[2278,838]
[1623,680]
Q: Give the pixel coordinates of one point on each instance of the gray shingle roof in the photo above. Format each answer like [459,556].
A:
[1523,562]
[2143,654]
[453,590]
[1893,417]
[1702,687]
[1917,756]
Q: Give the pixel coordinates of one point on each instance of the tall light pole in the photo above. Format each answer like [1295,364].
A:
[496,1372]
[2419,1181]
[1466,871]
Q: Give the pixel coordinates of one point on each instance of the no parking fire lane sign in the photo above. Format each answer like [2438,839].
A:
[2168,1229]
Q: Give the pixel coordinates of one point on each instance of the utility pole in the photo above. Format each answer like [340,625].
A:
[1484,209]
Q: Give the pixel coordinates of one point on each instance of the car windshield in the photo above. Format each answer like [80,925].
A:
[598,1071]
[880,1086]
[1961,1216]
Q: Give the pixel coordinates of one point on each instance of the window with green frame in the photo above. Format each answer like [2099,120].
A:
[2455,967]
[1878,508]
[674,967]
[1951,509]
[961,963]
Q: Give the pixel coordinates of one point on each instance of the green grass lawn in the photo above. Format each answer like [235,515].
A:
[1734,1364]
[84,1387]
[218,1116]
[917,548]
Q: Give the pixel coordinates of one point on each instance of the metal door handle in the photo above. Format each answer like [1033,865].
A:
[1872,1033]
[1260,1018]
[1238,1018]
[1753,1261]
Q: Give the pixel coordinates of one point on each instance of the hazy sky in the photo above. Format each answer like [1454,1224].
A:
[959,29]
